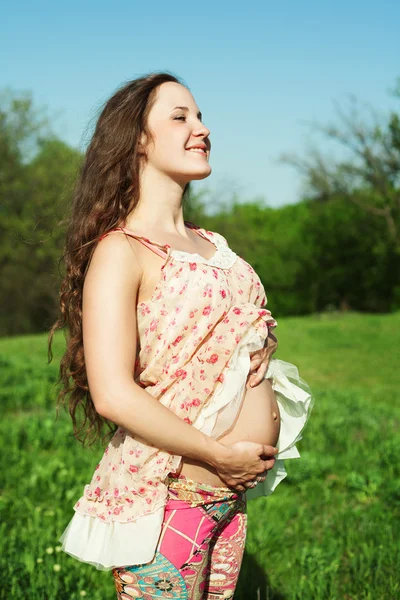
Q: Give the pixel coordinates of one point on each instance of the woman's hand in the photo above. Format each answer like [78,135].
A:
[259,360]
[244,463]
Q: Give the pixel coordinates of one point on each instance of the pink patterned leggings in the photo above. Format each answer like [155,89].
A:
[200,550]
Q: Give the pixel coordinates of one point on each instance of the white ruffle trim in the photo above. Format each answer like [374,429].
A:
[295,402]
[218,415]
[110,545]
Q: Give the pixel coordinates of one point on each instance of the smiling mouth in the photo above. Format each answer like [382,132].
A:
[197,151]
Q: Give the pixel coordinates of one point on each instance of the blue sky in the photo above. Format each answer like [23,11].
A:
[259,71]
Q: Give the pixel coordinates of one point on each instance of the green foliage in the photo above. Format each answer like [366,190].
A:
[273,241]
[368,175]
[357,265]
[39,175]
[329,531]
[311,256]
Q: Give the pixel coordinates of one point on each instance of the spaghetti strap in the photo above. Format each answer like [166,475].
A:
[199,230]
[154,246]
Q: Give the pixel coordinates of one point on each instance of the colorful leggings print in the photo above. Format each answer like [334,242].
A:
[200,550]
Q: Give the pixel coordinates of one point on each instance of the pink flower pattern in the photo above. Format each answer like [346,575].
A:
[181,359]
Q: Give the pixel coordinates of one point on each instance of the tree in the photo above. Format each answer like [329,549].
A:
[370,177]
[36,171]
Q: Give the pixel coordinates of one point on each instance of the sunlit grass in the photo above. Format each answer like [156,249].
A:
[330,530]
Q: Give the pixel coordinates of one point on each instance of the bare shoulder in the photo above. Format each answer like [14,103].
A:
[115,257]
[109,320]
[118,249]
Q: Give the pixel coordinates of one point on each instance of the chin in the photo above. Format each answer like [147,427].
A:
[186,176]
[200,175]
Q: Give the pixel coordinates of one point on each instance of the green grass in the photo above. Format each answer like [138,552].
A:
[330,531]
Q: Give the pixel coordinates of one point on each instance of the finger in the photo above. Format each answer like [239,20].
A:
[236,487]
[262,473]
[253,381]
[251,483]
[268,464]
[256,378]
[268,450]
[259,375]
[255,355]
[254,365]
[257,358]
[250,384]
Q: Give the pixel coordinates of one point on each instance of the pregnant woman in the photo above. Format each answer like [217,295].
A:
[170,341]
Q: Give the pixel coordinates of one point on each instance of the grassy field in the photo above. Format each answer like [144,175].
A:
[331,531]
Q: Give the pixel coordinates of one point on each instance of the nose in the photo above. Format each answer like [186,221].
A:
[204,133]
[203,130]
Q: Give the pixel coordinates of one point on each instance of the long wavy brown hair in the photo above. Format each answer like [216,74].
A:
[105,193]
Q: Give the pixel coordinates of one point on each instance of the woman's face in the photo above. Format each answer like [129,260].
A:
[175,130]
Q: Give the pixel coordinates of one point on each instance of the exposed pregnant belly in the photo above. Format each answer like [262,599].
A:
[258,421]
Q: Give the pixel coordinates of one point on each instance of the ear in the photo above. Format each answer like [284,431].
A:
[143,139]
[142,143]
[143,146]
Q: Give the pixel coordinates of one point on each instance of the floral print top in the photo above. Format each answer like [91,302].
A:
[187,332]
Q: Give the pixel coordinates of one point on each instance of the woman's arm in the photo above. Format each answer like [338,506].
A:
[110,341]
